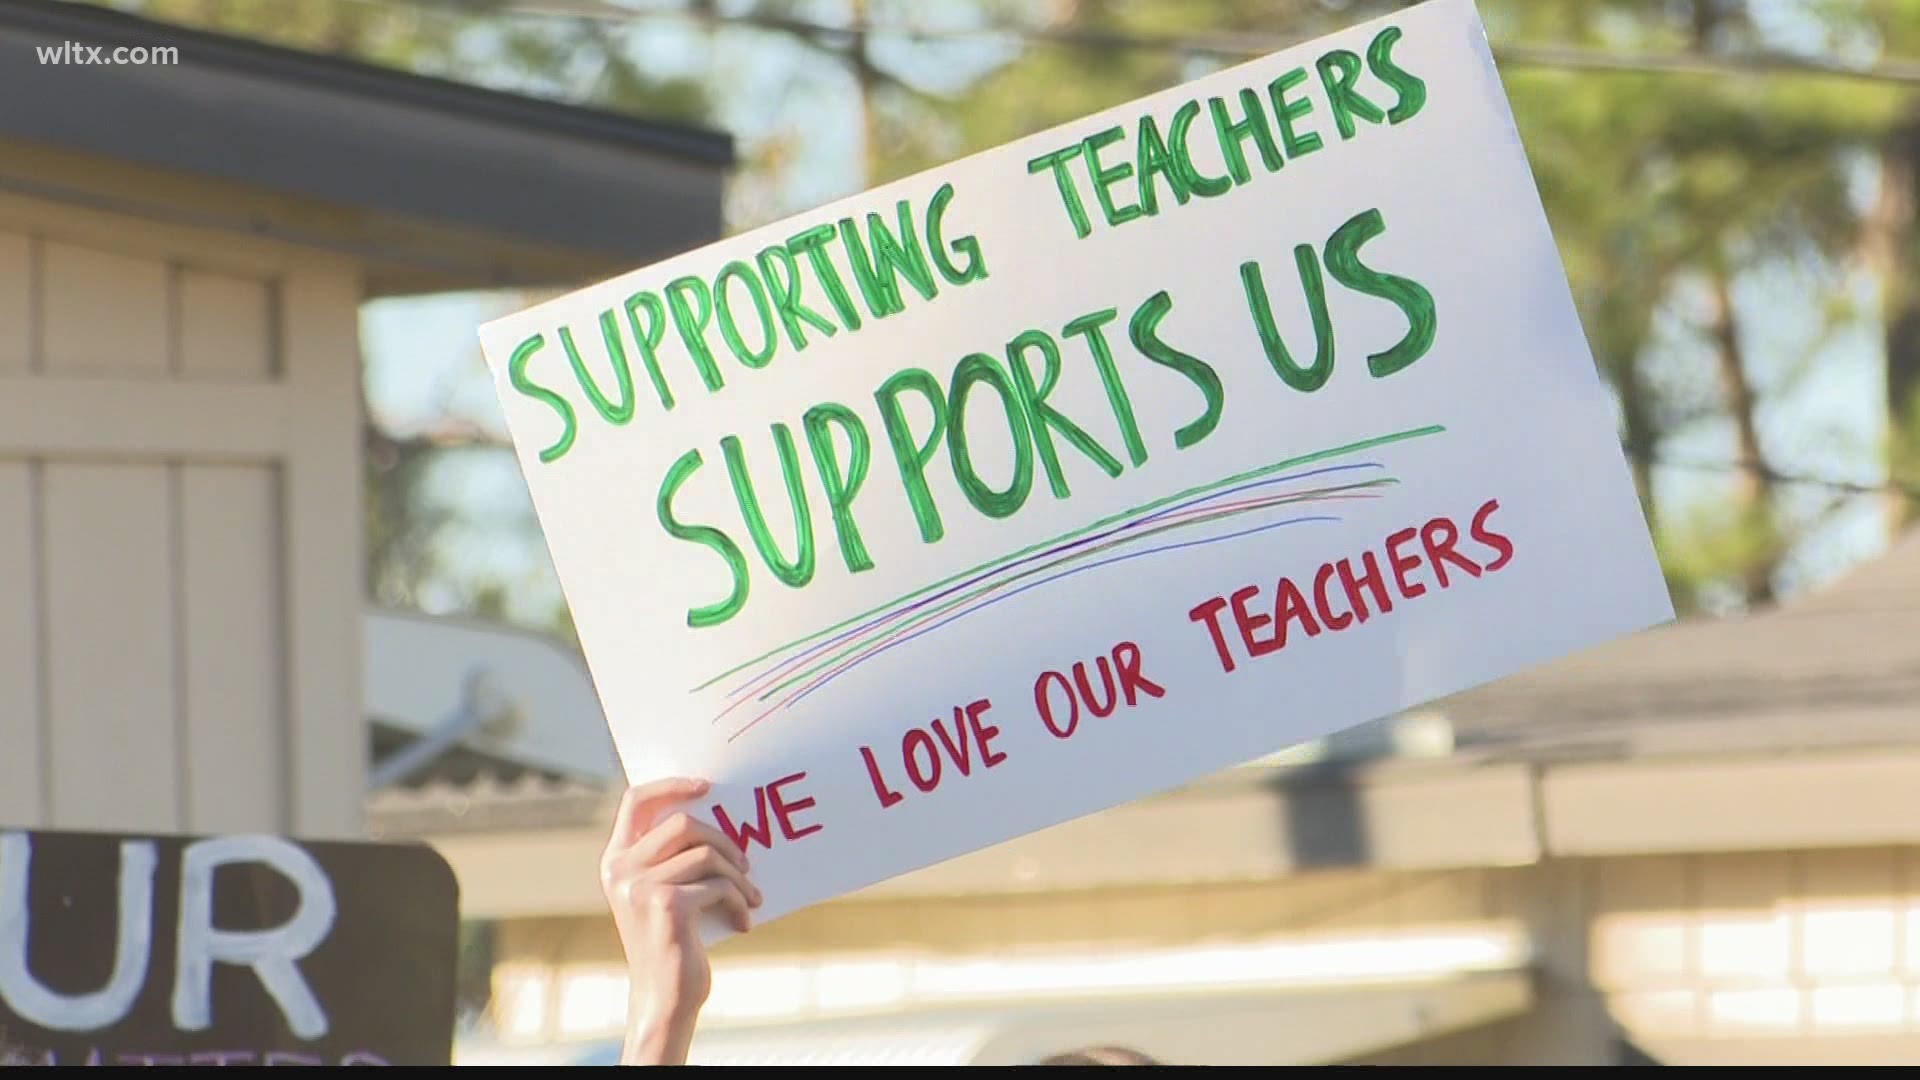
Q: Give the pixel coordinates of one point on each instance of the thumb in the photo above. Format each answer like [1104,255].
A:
[644,804]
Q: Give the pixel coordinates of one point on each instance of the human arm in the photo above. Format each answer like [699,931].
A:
[663,871]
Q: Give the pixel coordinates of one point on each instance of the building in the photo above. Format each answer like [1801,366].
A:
[1696,845]
[184,248]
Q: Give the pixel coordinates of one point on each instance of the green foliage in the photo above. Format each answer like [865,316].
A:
[1708,551]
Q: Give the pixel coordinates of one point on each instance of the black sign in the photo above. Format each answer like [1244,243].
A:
[226,950]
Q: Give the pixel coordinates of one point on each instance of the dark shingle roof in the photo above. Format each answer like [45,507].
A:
[618,190]
[1838,667]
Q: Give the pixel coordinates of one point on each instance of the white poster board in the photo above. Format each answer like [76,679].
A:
[1216,422]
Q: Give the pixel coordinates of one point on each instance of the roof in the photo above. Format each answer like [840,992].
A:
[1840,667]
[462,765]
[496,693]
[560,176]
[1889,583]
[488,802]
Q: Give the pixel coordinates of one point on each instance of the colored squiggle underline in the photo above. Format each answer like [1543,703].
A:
[828,678]
[1183,519]
[1180,522]
[1189,520]
[1250,474]
[785,666]
[870,650]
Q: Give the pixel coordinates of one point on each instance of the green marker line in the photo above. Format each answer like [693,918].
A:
[1250,474]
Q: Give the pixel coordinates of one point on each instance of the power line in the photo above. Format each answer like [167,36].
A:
[1898,72]
[1246,46]
[1777,476]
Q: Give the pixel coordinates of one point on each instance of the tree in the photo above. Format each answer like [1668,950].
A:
[1666,192]
[1666,189]
[1672,196]
[1888,239]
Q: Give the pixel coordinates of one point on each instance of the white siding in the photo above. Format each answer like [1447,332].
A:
[235,749]
[112,695]
[323,534]
[103,311]
[179,529]
[226,325]
[20,734]
[16,302]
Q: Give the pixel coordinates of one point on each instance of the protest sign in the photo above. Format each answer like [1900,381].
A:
[1216,422]
[227,950]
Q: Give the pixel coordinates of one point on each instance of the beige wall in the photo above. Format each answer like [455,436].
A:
[1751,957]
[179,528]
[547,967]
[1782,953]
[1804,957]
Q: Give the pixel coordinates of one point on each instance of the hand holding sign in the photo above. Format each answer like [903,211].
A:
[665,872]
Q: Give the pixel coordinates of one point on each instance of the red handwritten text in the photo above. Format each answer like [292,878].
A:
[926,752]
[1059,699]
[1260,624]
[784,807]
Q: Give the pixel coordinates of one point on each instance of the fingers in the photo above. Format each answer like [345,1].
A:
[676,861]
[681,832]
[640,806]
[723,895]
[702,864]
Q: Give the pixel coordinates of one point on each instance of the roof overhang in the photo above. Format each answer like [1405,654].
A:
[1841,663]
[434,185]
